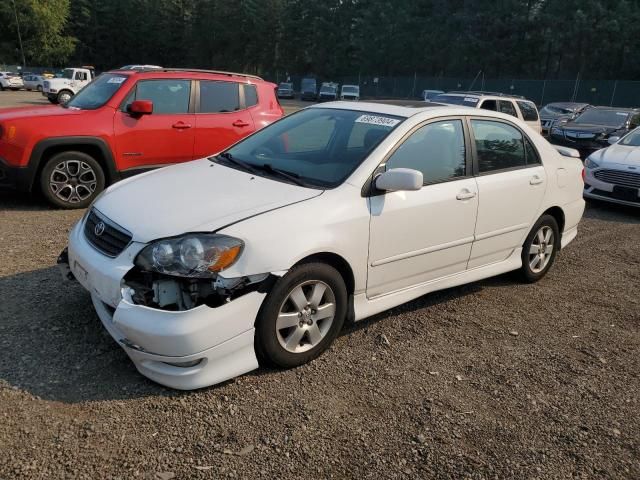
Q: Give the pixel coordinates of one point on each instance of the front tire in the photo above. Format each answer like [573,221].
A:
[540,249]
[64,96]
[302,315]
[71,180]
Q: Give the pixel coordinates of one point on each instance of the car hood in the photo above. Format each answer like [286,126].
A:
[587,128]
[30,112]
[618,154]
[198,196]
[554,116]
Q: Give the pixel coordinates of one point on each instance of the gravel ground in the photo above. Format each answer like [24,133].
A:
[492,380]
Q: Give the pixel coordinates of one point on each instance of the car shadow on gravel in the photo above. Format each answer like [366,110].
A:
[54,346]
[612,212]
[22,201]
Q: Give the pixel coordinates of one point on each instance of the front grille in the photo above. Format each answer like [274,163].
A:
[618,177]
[112,240]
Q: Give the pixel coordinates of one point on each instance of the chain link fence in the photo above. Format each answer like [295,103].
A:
[617,93]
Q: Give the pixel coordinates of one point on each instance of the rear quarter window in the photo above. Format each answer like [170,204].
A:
[529,111]
[250,95]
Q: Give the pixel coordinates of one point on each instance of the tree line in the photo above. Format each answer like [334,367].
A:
[545,39]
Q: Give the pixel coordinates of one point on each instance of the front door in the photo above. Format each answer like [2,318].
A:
[511,185]
[165,136]
[422,235]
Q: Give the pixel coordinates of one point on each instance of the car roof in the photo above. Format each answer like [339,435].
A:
[568,104]
[615,109]
[188,73]
[479,94]
[398,108]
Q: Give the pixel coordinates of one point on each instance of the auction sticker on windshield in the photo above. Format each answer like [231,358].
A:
[378,120]
[116,79]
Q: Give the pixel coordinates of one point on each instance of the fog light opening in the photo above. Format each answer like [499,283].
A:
[192,363]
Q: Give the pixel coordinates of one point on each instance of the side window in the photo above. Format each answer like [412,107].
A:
[437,150]
[528,110]
[506,106]
[219,97]
[490,105]
[250,95]
[498,146]
[81,76]
[533,157]
[635,121]
[168,96]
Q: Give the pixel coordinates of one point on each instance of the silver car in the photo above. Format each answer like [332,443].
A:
[612,174]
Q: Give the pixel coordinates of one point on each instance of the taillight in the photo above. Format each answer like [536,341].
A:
[583,174]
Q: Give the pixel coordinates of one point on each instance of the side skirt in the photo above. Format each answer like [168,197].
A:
[365,307]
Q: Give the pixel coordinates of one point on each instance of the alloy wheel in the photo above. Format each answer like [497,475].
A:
[541,249]
[73,181]
[306,316]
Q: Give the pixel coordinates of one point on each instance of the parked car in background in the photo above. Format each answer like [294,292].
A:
[559,112]
[11,81]
[331,213]
[328,92]
[350,92]
[612,174]
[126,122]
[285,90]
[33,82]
[428,95]
[513,105]
[590,131]
[308,89]
[62,89]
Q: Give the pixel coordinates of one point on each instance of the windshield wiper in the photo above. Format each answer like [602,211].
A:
[292,177]
[231,159]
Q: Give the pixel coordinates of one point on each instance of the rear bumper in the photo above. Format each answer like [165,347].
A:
[15,178]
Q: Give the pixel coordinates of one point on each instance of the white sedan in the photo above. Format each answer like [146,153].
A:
[613,173]
[340,211]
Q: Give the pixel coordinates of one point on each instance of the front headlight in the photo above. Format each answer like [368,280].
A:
[590,164]
[195,255]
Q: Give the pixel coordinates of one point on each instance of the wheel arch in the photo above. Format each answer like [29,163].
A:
[336,261]
[94,146]
[557,213]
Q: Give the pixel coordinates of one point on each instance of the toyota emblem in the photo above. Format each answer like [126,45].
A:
[99,229]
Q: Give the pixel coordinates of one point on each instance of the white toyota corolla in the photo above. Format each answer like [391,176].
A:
[336,212]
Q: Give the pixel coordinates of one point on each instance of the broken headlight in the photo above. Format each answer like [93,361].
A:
[195,255]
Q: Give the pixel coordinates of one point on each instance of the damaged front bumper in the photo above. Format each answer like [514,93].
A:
[183,349]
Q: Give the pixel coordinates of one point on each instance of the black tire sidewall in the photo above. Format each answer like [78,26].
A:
[266,341]
[527,274]
[71,155]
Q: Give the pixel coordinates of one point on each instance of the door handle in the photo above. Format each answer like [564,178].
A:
[536,180]
[465,195]
[240,123]
[181,126]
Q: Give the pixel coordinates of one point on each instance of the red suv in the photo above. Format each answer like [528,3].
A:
[125,122]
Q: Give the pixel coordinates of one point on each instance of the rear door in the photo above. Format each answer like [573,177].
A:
[164,137]
[511,185]
[222,115]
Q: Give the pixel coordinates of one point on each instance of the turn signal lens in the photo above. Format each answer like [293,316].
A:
[226,258]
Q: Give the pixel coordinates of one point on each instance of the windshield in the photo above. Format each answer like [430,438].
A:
[555,110]
[285,85]
[456,100]
[632,139]
[326,89]
[98,92]
[350,89]
[608,118]
[308,83]
[320,147]
[67,73]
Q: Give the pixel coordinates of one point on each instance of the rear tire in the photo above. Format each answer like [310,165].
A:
[301,316]
[71,180]
[540,249]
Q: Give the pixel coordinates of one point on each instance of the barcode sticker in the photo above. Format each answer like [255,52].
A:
[377,120]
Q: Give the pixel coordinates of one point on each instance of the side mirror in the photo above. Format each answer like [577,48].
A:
[140,107]
[613,140]
[399,179]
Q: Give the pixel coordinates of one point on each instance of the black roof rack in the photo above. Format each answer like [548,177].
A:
[198,70]
[494,94]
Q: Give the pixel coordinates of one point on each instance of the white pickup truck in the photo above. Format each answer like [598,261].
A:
[61,89]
